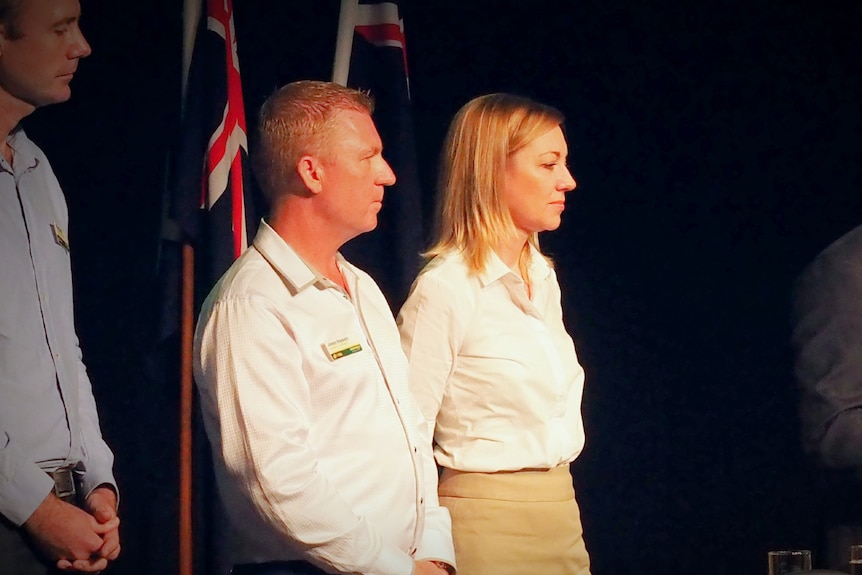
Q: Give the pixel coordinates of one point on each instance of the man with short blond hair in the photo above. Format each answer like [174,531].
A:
[322,458]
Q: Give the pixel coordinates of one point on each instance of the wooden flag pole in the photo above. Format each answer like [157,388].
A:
[186,550]
[192,10]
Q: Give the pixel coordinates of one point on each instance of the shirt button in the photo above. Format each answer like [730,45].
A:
[421,501]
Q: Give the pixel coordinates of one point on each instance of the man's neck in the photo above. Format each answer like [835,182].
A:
[310,240]
[12,111]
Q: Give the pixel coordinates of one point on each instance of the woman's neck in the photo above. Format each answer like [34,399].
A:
[511,250]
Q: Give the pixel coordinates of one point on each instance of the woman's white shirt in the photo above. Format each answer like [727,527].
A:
[494,371]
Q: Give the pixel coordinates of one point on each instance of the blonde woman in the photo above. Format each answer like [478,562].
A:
[491,364]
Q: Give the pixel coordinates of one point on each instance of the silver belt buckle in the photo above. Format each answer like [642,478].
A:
[64,483]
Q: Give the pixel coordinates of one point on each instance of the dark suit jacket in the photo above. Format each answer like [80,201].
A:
[827,337]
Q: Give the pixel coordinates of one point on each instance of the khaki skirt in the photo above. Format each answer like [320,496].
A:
[515,523]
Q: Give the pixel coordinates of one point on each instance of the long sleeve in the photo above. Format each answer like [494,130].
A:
[432,323]
[100,458]
[436,541]
[257,406]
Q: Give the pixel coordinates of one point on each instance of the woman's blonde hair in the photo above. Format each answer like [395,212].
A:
[472,216]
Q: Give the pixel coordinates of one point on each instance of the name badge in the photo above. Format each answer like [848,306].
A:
[342,347]
[60,237]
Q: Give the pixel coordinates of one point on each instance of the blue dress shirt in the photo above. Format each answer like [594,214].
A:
[47,412]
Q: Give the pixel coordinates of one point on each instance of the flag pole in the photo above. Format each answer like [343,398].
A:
[186,551]
[191,18]
[344,41]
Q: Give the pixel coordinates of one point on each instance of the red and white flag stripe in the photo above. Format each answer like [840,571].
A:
[229,140]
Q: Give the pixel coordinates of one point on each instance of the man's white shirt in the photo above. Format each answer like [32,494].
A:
[320,451]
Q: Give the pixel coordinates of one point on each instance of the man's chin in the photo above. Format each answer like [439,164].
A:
[371,225]
[63,97]
[56,97]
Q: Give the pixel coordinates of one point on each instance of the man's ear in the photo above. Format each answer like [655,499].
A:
[310,172]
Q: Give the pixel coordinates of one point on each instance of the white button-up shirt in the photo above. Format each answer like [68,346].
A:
[495,372]
[321,453]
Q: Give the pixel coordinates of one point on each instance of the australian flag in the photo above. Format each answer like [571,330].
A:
[210,207]
[213,204]
[213,200]
[371,55]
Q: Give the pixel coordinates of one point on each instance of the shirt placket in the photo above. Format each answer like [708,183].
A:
[396,403]
[64,380]
[542,333]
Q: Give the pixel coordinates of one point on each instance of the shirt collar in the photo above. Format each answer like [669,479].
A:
[495,269]
[23,151]
[540,268]
[284,259]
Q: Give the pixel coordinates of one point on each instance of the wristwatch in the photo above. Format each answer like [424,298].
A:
[444,566]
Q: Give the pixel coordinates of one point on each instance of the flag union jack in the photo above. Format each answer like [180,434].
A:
[229,140]
[212,194]
[381,25]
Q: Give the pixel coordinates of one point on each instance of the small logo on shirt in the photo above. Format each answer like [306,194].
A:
[342,347]
[60,237]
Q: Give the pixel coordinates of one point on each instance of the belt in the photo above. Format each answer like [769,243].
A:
[67,484]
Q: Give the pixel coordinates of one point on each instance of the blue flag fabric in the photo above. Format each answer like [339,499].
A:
[378,64]
[213,199]
[210,205]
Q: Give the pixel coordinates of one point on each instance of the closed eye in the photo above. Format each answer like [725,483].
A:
[64,25]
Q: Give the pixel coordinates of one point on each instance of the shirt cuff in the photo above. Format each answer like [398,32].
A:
[392,561]
[436,546]
[93,478]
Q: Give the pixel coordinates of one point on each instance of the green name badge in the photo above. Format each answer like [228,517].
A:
[342,347]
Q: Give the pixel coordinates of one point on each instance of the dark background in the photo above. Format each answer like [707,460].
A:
[716,147]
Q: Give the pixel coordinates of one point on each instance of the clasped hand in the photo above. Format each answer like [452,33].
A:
[81,540]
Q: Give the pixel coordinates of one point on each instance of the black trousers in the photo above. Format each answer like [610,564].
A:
[277,568]
[17,555]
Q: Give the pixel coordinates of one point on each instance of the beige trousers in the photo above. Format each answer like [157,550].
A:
[515,523]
